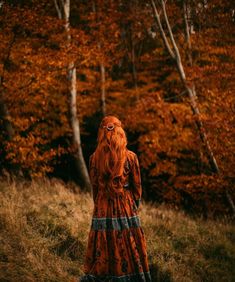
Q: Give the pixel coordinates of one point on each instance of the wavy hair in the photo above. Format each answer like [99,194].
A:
[110,154]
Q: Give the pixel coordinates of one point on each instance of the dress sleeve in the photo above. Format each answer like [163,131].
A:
[93,177]
[136,186]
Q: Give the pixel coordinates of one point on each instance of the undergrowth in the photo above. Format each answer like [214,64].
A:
[44,229]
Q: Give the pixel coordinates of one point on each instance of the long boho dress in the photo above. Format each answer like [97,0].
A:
[116,249]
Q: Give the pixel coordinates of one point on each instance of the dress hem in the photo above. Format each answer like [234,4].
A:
[135,277]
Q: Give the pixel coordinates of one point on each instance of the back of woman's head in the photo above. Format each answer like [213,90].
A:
[110,154]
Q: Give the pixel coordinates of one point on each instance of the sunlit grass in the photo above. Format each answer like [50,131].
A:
[44,229]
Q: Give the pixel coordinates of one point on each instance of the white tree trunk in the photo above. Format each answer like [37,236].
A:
[187,31]
[80,162]
[175,55]
[58,9]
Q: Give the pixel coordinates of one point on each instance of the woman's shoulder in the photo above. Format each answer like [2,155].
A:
[131,155]
[91,157]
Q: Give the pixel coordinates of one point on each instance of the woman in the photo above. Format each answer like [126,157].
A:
[116,248]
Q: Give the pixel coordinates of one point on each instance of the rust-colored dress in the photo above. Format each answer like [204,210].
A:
[116,248]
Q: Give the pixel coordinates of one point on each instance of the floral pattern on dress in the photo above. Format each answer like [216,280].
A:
[116,249]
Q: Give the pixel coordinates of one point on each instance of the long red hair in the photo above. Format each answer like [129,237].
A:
[110,154]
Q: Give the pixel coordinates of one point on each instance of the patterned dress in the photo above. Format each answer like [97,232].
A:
[116,249]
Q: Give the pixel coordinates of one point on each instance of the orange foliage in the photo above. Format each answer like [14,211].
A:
[155,112]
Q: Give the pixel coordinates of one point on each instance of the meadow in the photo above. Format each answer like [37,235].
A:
[44,228]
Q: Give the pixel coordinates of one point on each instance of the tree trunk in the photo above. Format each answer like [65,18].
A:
[192,93]
[175,55]
[187,31]
[80,162]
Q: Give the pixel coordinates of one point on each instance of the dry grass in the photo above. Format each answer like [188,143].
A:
[44,228]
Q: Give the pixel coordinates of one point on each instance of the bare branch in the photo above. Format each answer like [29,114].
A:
[187,33]
[170,31]
[59,13]
[162,32]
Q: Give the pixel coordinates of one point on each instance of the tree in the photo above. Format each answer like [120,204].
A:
[35,87]
[174,53]
[176,57]
[159,123]
[72,77]
[102,65]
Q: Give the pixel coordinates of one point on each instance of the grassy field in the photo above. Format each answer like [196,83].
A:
[44,228]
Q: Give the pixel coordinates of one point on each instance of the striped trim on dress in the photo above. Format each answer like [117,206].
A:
[116,223]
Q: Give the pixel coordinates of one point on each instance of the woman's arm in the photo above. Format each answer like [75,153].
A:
[136,181]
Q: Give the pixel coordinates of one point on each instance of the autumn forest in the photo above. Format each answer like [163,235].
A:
[164,68]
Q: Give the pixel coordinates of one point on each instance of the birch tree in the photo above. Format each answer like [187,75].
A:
[188,27]
[173,51]
[63,12]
